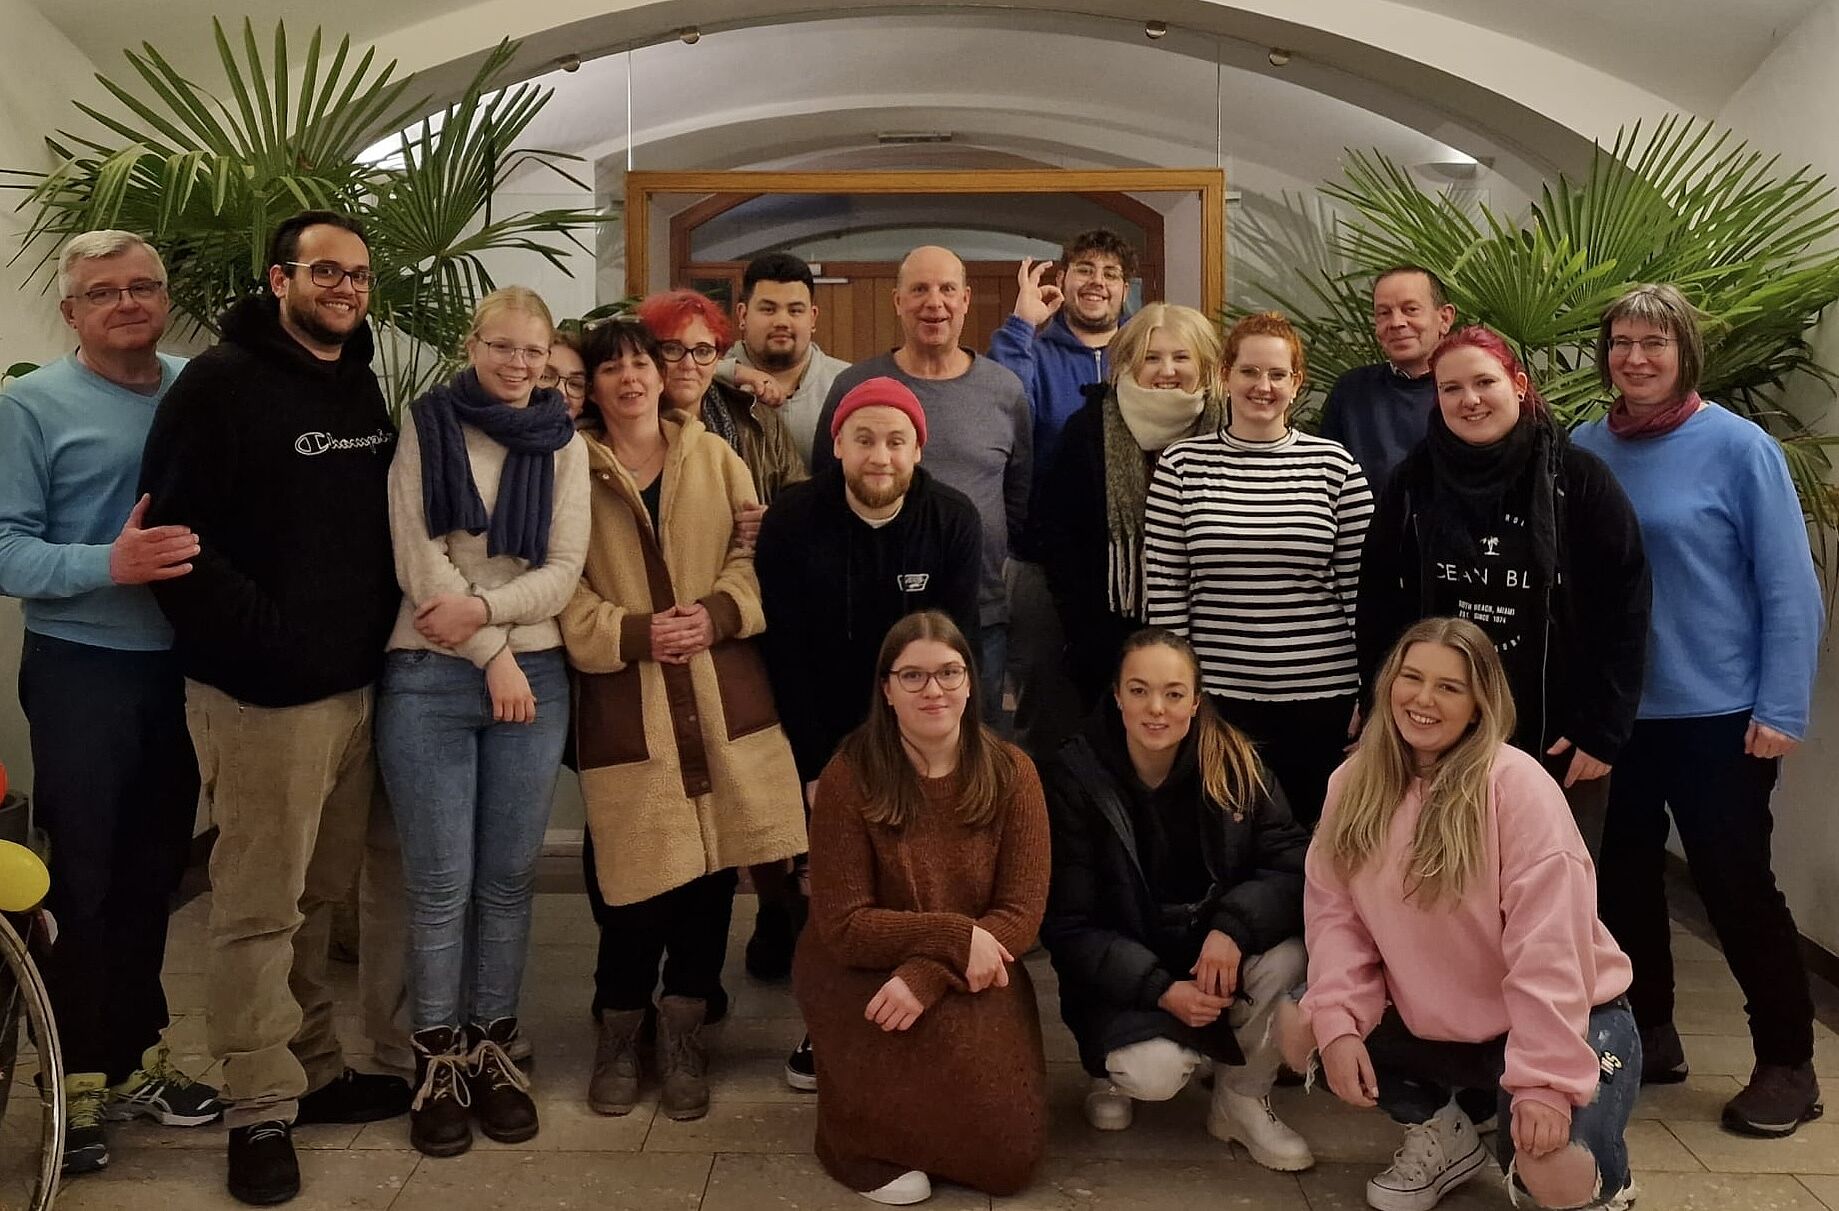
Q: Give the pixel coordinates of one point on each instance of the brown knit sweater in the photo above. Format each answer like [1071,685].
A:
[961,1095]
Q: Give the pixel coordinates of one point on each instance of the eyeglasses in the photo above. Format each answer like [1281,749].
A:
[530,355]
[574,385]
[110,296]
[1252,374]
[1650,346]
[676,351]
[327,274]
[914,680]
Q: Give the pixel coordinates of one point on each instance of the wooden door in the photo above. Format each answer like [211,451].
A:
[855,306]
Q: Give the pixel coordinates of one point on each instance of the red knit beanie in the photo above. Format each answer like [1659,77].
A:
[881,392]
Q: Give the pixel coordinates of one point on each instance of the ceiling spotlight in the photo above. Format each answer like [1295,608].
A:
[1155,29]
[1279,57]
[690,35]
[569,63]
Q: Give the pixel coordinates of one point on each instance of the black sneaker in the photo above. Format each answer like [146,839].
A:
[86,1141]
[355,1097]
[263,1169]
[801,1068]
[1663,1056]
[1778,1099]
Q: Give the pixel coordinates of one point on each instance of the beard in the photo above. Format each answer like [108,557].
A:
[306,318]
[772,357]
[870,496]
[1082,323]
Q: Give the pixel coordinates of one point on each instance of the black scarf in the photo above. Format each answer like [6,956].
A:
[519,522]
[1470,486]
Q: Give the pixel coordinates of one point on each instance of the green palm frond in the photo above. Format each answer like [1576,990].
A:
[205,173]
[1749,241]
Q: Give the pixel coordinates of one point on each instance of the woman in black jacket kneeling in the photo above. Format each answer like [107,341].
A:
[1175,913]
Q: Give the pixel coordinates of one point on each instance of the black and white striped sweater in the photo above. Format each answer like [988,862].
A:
[1252,551]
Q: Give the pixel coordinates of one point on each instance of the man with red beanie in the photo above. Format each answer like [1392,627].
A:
[843,556]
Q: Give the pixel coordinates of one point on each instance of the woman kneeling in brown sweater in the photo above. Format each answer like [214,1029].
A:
[923,891]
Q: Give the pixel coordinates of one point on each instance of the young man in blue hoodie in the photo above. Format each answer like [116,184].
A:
[1055,342]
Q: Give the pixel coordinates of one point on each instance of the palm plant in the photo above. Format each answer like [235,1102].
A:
[1685,203]
[206,176]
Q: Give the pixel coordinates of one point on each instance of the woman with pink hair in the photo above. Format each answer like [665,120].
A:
[1497,518]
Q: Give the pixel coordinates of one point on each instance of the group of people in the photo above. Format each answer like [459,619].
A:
[1333,732]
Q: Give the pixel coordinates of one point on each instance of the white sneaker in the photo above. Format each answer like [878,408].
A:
[1108,1108]
[1251,1122]
[909,1188]
[1436,1157]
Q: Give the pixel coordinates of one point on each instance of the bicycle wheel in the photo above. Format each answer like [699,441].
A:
[32,1128]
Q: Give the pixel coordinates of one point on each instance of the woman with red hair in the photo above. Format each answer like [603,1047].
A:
[1497,518]
[693,333]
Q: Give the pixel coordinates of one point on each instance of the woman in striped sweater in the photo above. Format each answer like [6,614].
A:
[1252,553]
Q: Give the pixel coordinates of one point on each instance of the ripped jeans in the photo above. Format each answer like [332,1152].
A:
[1417,1077]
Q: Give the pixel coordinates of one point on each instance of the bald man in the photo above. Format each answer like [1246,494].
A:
[979,431]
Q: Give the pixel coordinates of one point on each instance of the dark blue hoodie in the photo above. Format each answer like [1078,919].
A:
[1055,366]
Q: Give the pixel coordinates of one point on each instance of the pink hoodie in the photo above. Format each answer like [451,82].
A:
[1521,953]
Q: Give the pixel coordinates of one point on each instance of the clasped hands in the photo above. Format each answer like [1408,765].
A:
[894,1007]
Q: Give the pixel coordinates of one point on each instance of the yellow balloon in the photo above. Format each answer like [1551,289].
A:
[23,878]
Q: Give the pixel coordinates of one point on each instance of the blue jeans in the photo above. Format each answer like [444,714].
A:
[1417,1078]
[992,668]
[472,799]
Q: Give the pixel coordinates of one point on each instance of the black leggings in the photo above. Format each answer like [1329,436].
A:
[686,928]
[1301,743]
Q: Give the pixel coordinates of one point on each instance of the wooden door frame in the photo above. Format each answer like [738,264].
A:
[1209,183]
[1152,266]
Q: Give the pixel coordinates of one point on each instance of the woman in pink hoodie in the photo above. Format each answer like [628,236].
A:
[1450,911]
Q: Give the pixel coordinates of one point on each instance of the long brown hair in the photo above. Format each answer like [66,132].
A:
[1451,837]
[889,783]
[1229,769]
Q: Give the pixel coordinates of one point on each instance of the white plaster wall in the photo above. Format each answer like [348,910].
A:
[1787,106]
[30,329]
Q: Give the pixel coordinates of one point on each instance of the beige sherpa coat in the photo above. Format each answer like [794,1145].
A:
[684,768]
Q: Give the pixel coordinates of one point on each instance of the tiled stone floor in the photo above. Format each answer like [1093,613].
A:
[753,1151]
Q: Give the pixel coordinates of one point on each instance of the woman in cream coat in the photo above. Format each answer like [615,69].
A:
[686,772]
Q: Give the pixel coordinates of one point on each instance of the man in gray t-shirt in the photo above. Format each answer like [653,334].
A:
[979,428]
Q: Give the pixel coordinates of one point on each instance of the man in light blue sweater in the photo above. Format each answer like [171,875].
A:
[116,783]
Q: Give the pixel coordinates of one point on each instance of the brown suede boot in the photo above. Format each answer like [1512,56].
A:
[500,1090]
[614,1086]
[683,1057]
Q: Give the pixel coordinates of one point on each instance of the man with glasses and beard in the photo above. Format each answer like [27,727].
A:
[842,557]
[274,448]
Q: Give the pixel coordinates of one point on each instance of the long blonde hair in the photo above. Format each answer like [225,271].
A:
[1451,837]
[1230,773]
[1192,328]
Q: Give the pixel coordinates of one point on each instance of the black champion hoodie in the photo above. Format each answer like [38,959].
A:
[279,461]
[832,585]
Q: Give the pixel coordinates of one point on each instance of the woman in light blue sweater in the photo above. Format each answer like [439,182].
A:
[1730,666]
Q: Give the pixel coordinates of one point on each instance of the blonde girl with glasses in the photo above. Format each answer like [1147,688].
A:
[489,520]
[929,868]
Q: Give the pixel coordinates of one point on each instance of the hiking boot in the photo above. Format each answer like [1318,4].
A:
[263,1169]
[801,1067]
[1108,1108]
[1663,1057]
[440,1118]
[1252,1122]
[1437,1156]
[683,1057]
[501,1091]
[159,1091]
[1778,1099]
[86,1141]
[355,1097]
[614,1086]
